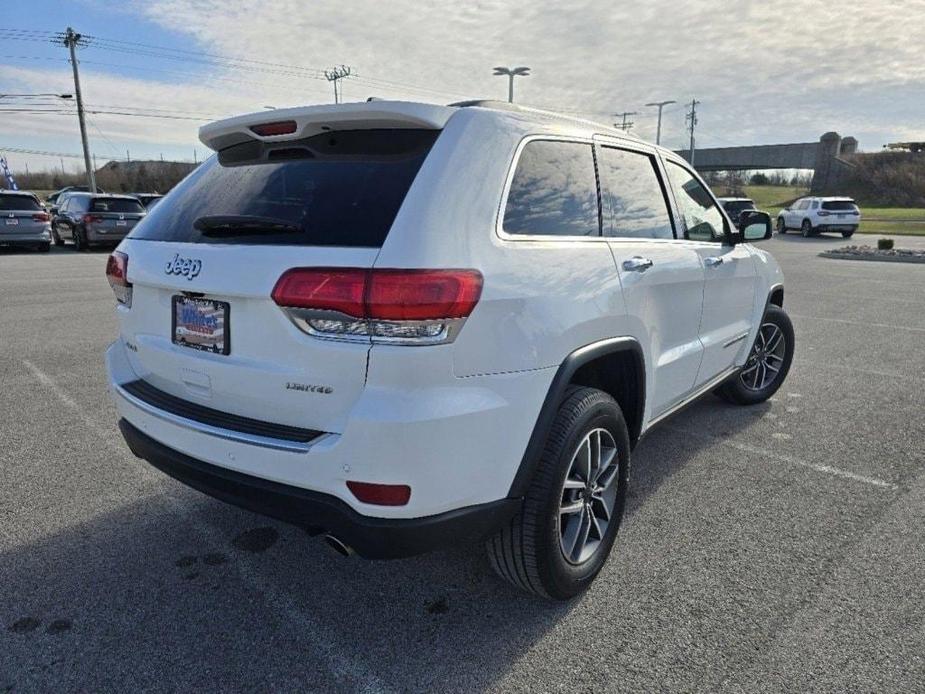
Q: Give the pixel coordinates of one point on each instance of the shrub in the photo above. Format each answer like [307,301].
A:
[884,244]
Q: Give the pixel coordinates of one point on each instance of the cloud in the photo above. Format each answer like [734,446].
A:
[764,71]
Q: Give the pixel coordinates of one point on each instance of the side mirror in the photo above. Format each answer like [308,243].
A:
[754,225]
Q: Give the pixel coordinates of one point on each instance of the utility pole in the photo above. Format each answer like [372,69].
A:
[72,39]
[661,105]
[626,124]
[692,123]
[335,75]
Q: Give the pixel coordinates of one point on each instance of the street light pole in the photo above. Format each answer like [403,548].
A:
[661,105]
[511,73]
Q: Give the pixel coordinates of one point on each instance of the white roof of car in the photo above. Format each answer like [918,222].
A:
[313,120]
[735,199]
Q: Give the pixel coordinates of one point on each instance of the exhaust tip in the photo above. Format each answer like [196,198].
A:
[338,546]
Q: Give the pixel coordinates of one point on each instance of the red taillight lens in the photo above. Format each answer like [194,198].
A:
[283,127]
[117,274]
[380,494]
[422,294]
[325,289]
[40,217]
[91,219]
[394,295]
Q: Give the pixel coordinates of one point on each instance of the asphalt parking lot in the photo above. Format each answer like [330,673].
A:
[771,548]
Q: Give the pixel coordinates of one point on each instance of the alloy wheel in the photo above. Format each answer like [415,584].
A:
[589,496]
[766,358]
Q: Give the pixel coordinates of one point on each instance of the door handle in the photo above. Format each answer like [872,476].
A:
[713,261]
[637,264]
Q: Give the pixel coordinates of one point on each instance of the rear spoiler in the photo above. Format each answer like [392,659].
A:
[312,120]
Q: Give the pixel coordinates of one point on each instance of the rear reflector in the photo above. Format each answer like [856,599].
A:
[117,274]
[380,494]
[283,127]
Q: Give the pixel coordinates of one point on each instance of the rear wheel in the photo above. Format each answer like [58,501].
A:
[566,528]
[847,234]
[781,226]
[54,236]
[43,247]
[80,241]
[806,228]
[768,362]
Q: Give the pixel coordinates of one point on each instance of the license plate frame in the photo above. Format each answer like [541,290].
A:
[200,324]
[12,221]
[121,223]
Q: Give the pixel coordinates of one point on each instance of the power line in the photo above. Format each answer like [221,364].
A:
[626,124]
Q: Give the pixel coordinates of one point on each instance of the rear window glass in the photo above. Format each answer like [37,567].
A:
[19,202]
[738,205]
[334,189]
[839,205]
[115,205]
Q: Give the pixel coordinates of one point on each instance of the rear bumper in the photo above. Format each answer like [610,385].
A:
[373,538]
[837,227]
[96,236]
[25,238]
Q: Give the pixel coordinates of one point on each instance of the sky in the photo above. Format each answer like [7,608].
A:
[153,71]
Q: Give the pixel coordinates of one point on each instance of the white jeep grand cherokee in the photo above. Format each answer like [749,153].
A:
[405,325]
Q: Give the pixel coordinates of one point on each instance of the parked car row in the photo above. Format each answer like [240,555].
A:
[71,214]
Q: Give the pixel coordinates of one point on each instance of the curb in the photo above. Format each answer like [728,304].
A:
[918,260]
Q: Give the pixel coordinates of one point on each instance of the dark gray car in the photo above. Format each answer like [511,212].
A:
[23,221]
[88,219]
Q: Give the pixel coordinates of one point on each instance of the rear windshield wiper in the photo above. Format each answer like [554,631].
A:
[242,224]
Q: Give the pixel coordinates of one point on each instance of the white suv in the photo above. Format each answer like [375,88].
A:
[814,215]
[405,325]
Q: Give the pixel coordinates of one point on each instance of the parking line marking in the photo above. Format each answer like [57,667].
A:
[861,323]
[783,457]
[340,665]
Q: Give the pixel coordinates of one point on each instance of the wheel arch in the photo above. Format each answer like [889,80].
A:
[616,366]
[775,296]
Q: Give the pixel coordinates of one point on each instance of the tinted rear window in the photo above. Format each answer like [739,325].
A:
[839,205]
[115,205]
[19,202]
[737,206]
[338,189]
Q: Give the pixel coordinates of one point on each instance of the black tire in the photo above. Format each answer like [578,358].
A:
[527,551]
[736,390]
[54,236]
[806,228]
[80,243]
[847,234]
[781,226]
[43,247]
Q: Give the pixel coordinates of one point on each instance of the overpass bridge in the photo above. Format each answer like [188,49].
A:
[827,157]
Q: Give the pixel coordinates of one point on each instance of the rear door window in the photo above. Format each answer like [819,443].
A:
[632,197]
[554,191]
[334,189]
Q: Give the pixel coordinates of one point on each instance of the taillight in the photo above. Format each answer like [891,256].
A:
[91,219]
[283,127]
[40,217]
[823,213]
[389,305]
[117,274]
[380,494]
